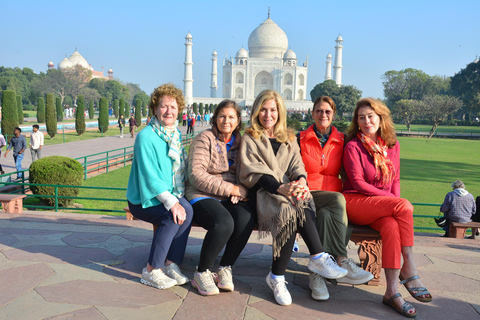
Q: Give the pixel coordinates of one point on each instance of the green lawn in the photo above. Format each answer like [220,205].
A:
[449,129]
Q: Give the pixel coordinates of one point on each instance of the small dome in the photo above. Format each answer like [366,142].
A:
[110,71]
[188,36]
[65,63]
[242,53]
[268,40]
[339,38]
[476,60]
[50,64]
[290,55]
[329,56]
[76,58]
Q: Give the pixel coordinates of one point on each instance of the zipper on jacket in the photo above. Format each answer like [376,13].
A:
[323,159]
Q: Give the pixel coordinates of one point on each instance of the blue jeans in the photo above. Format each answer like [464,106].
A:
[18,163]
[170,239]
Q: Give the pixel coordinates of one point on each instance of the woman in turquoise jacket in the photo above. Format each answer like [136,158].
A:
[155,191]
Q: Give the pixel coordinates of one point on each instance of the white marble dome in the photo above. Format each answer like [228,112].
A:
[242,53]
[65,63]
[268,40]
[290,55]
[76,58]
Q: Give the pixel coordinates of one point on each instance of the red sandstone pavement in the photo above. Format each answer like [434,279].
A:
[63,266]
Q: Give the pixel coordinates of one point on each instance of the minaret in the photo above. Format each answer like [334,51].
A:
[337,68]
[213,86]
[188,79]
[328,70]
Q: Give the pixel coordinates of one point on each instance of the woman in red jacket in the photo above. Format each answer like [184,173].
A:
[321,147]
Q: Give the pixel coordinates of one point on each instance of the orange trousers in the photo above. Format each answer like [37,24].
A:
[391,216]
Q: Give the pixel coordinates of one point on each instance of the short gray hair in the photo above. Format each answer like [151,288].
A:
[458,184]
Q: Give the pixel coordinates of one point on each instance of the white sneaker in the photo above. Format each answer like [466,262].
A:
[356,275]
[157,279]
[318,286]
[204,283]
[225,279]
[327,267]
[280,291]
[173,271]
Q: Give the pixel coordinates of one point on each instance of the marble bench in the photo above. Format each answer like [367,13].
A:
[12,203]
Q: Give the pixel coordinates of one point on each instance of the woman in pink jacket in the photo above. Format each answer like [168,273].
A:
[218,198]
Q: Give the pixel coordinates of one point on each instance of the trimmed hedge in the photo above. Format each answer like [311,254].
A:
[9,113]
[19,109]
[80,116]
[56,170]
[41,110]
[59,108]
[91,110]
[103,115]
[51,116]
[121,108]
[138,112]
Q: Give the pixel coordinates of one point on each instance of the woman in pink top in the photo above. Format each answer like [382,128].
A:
[372,191]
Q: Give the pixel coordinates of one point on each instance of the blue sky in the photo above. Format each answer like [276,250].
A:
[143,41]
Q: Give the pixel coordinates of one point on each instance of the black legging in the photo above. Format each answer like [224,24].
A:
[309,234]
[227,224]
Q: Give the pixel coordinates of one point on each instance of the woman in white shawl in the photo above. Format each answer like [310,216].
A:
[271,165]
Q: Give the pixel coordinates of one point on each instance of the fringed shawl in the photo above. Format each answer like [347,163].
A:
[276,215]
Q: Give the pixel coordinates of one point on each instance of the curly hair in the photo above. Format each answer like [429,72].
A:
[168,89]
[227,103]
[386,130]
[282,133]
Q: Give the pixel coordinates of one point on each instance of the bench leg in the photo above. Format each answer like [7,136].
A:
[13,206]
[370,255]
[457,232]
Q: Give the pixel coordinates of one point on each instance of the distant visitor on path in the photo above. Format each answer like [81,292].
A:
[36,142]
[372,190]
[19,144]
[121,124]
[2,144]
[458,206]
[133,124]
[156,185]
[184,119]
[271,166]
[218,198]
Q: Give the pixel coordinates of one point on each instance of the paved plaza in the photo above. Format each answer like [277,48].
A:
[63,266]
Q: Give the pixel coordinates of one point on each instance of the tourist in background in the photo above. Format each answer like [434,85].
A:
[458,206]
[217,198]
[132,125]
[121,124]
[321,147]
[2,144]
[155,191]
[372,192]
[19,144]
[36,142]
[271,165]
[184,119]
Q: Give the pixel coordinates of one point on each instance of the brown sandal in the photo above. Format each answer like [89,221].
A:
[416,292]
[403,310]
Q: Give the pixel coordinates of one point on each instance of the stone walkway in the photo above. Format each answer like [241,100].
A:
[61,266]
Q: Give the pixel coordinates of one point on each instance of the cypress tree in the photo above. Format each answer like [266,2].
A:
[127,110]
[80,116]
[121,107]
[138,112]
[103,115]
[19,109]
[115,108]
[201,107]
[58,103]
[195,108]
[144,109]
[51,116]
[91,110]
[41,110]
[9,113]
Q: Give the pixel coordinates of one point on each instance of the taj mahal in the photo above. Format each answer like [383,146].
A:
[269,63]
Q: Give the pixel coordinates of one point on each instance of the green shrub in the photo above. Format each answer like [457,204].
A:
[59,108]
[19,109]
[80,116]
[91,110]
[51,116]
[103,115]
[41,110]
[138,112]
[115,108]
[9,113]
[56,170]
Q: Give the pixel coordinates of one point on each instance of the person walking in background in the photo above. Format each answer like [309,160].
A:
[2,144]
[184,119]
[36,142]
[121,124]
[19,144]
[458,206]
[133,124]
[193,125]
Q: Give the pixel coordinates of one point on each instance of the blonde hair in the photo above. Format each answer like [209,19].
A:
[386,129]
[168,89]
[280,130]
